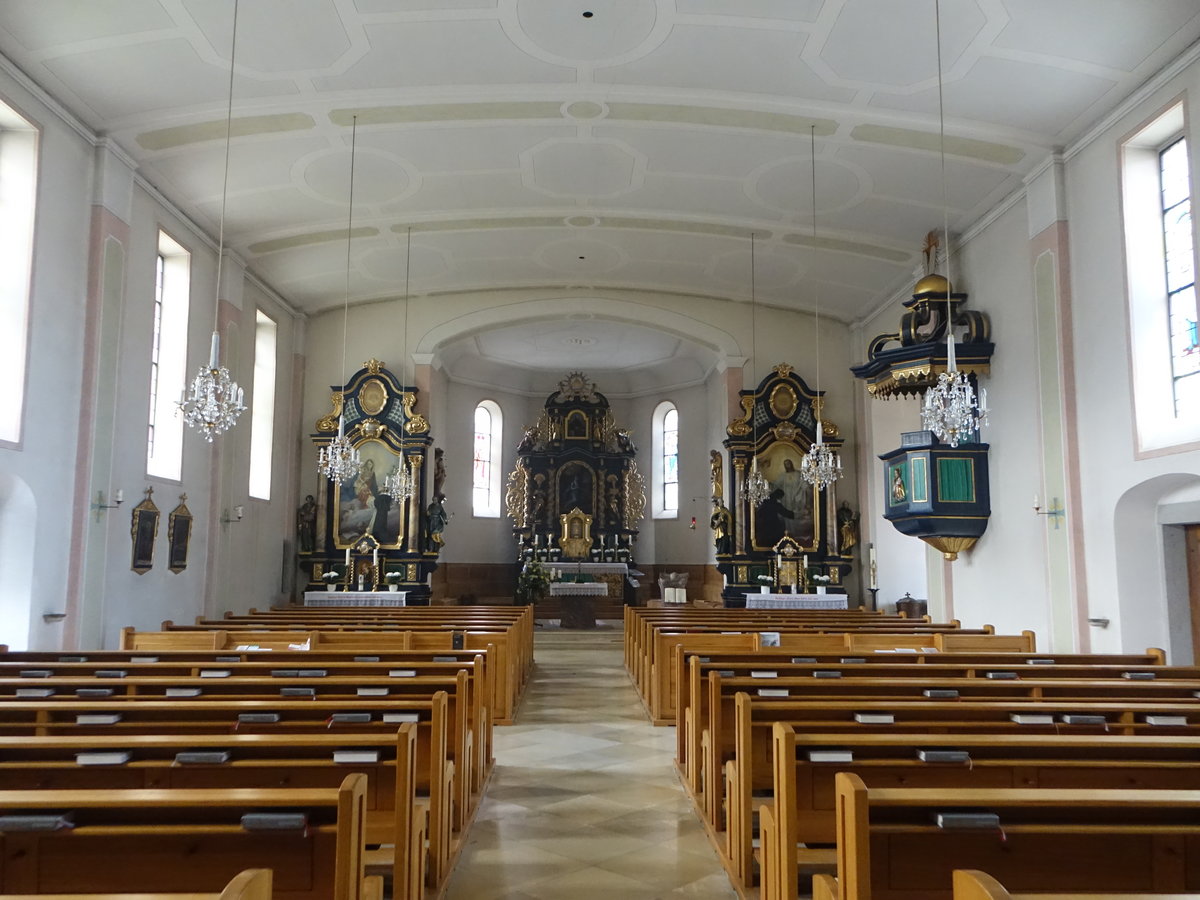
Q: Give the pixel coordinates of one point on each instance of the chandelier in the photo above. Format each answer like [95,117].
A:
[399,483]
[214,401]
[821,466]
[339,459]
[951,410]
[755,490]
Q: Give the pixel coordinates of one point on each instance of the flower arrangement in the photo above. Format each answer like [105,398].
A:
[766,579]
[331,576]
[820,579]
[392,577]
[533,582]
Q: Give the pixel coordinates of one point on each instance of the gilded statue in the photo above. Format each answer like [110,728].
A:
[721,523]
[717,478]
[847,528]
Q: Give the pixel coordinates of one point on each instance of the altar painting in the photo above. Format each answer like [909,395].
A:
[791,507]
[361,507]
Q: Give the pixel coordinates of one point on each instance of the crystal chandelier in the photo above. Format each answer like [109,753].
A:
[821,466]
[755,490]
[950,410]
[339,459]
[214,401]
[399,483]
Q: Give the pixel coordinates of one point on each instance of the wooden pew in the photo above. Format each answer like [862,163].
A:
[129,841]
[449,808]
[506,674]
[900,843]
[973,885]
[711,688]
[393,763]
[252,884]
[763,738]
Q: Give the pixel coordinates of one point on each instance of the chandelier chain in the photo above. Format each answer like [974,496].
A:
[399,483]
[339,459]
[755,490]
[213,403]
[821,466]
[951,409]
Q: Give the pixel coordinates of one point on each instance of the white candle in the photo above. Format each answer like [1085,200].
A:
[805,562]
[120,495]
[1037,502]
[375,557]
[347,558]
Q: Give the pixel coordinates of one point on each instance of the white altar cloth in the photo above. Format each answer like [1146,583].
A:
[574,589]
[355,598]
[796,601]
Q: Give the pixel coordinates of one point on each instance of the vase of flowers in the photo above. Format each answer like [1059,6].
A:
[331,579]
[393,580]
[533,583]
[820,582]
[765,585]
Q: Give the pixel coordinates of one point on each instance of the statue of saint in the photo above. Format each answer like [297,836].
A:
[435,517]
[439,472]
[847,528]
[306,525]
[718,489]
[721,523]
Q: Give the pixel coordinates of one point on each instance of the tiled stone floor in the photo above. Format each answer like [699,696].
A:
[584,802]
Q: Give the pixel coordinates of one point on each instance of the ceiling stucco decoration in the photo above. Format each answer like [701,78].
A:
[501,131]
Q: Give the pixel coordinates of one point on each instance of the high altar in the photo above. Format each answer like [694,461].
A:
[355,529]
[575,494]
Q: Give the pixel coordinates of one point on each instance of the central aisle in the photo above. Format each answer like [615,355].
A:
[584,801]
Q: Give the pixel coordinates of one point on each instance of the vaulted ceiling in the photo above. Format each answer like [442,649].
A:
[611,144]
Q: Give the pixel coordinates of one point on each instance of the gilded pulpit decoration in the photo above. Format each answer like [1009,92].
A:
[359,527]
[796,520]
[576,460]
[907,362]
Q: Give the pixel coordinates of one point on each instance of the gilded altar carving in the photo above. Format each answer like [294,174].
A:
[635,495]
[372,396]
[516,500]
[415,423]
[330,421]
[741,427]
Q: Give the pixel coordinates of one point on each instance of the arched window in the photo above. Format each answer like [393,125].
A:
[18,196]
[665,477]
[486,462]
[1161,283]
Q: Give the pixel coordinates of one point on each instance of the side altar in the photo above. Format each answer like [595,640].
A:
[794,535]
[354,534]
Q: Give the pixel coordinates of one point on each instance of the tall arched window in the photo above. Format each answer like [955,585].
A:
[486,462]
[665,446]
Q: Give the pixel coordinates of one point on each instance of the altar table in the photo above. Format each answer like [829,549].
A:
[796,601]
[355,598]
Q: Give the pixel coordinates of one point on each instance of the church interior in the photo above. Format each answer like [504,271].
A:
[588,362]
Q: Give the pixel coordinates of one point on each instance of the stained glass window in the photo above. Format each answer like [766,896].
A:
[485,460]
[670,460]
[1175,180]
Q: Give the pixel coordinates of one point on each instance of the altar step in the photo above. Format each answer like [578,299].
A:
[605,608]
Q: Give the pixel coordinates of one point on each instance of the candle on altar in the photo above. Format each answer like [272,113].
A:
[347,557]
[375,558]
